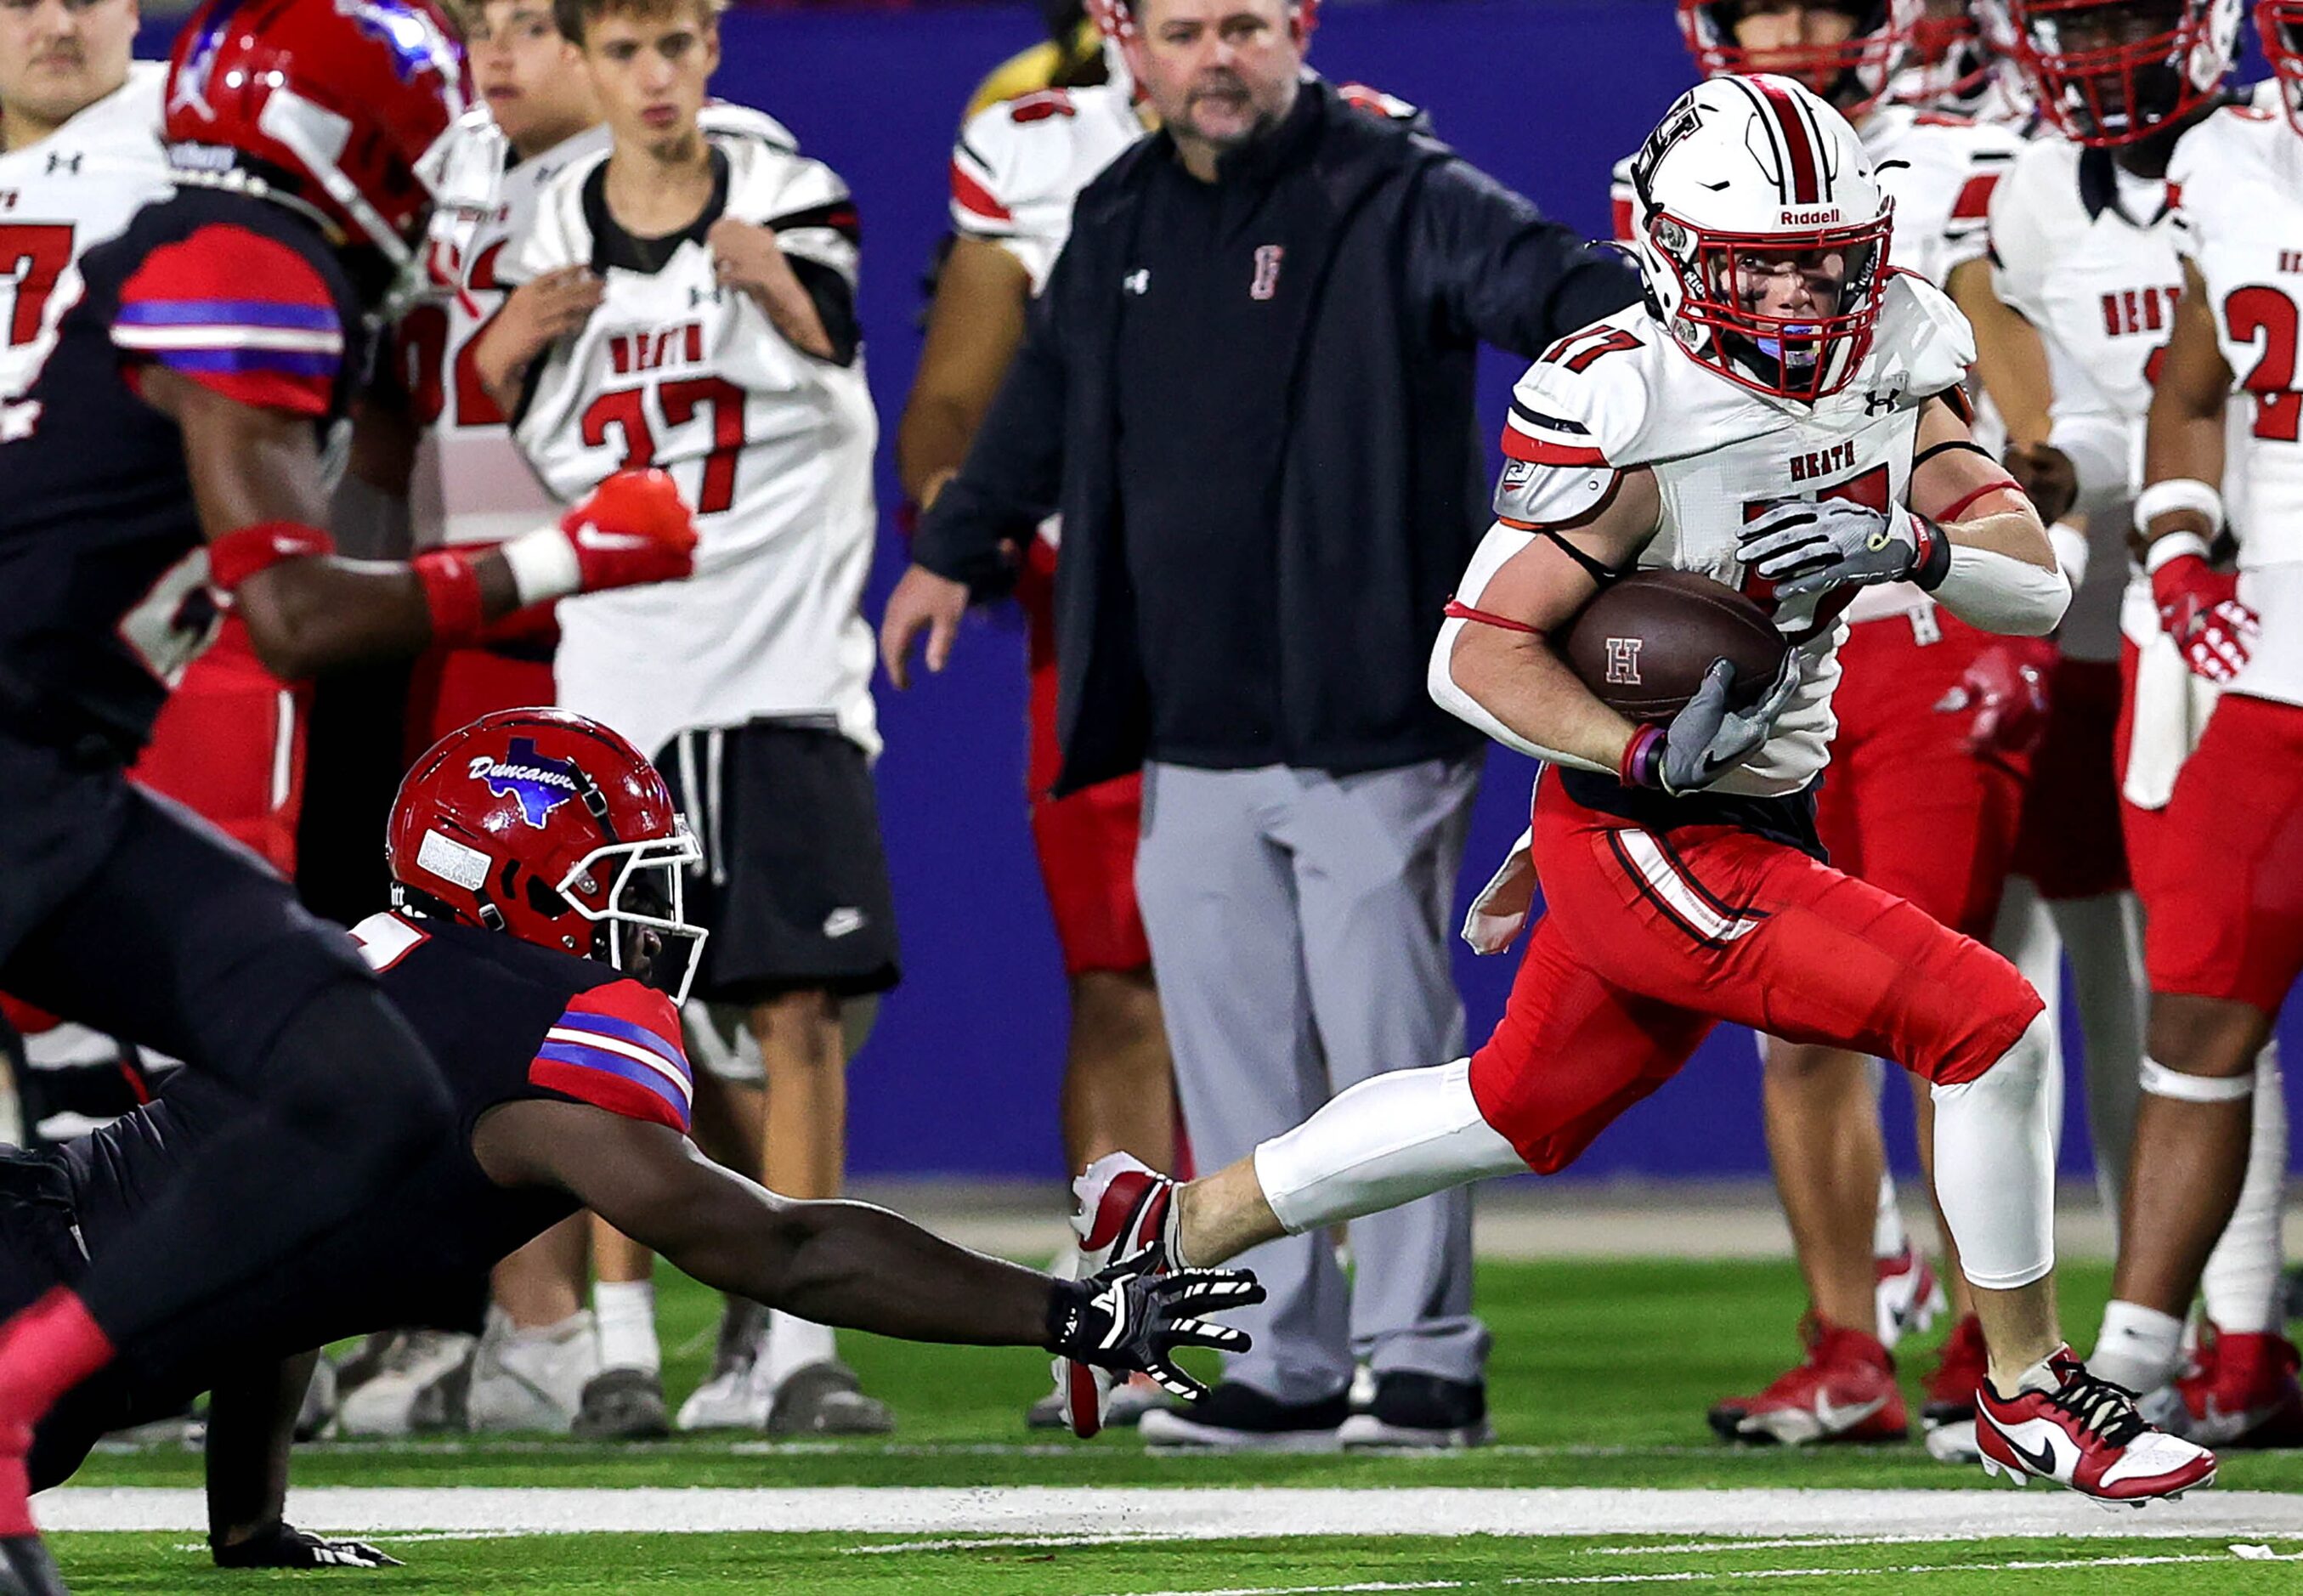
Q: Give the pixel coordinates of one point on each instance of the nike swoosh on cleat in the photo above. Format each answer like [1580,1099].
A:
[2042,1463]
[1835,1419]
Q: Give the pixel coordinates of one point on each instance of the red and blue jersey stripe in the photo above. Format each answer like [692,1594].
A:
[617,1047]
[238,313]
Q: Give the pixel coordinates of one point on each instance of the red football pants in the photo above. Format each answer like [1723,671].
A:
[1647,941]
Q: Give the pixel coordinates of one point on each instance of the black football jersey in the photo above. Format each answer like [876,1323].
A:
[102,554]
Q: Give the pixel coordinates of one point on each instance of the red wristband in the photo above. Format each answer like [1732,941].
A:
[452,591]
[1641,757]
[237,556]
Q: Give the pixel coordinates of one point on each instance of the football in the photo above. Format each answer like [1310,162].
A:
[1644,643]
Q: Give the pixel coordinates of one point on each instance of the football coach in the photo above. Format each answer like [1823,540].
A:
[1248,389]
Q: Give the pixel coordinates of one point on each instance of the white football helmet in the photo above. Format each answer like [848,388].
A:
[1748,184]
[1852,75]
[2108,72]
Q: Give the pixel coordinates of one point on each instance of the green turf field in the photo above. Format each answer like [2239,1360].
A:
[1602,1375]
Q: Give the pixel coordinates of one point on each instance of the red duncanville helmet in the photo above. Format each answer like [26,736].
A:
[329,102]
[550,827]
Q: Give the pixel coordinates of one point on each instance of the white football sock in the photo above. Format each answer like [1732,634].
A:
[2139,1349]
[626,1310]
[2240,1282]
[1064,1265]
[1888,1237]
[1995,1166]
[794,1344]
[2105,938]
[1390,1140]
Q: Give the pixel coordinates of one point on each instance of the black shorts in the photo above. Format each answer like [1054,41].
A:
[794,883]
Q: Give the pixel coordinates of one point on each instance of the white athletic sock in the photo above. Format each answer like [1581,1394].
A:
[1390,1140]
[2105,938]
[1888,1237]
[2240,1282]
[626,1310]
[1064,1265]
[2138,1348]
[795,1344]
[1995,1166]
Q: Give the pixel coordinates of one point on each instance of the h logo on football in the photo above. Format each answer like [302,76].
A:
[1624,662]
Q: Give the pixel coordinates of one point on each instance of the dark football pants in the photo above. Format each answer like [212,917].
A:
[123,911]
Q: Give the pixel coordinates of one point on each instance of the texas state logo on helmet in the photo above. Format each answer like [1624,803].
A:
[550,827]
[2108,72]
[1853,74]
[331,103]
[1749,175]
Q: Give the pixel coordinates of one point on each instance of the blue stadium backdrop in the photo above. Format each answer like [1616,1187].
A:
[960,1078]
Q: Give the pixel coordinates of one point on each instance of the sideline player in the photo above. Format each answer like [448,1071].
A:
[1678,862]
[536,948]
[1015,172]
[2083,238]
[718,338]
[169,450]
[2223,935]
[1927,777]
[1958,68]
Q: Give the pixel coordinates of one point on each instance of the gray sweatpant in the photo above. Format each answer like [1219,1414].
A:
[1299,926]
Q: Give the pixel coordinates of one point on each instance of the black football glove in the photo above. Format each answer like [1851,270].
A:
[284,1546]
[1135,1322]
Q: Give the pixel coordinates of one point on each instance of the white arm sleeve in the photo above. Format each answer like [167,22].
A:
[1499,545]
[2001,593]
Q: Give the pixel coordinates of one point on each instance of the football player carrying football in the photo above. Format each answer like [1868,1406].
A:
[2083,237]
[2224,927]
[166,461]
[537,947]
[1927,794]
[1681,878]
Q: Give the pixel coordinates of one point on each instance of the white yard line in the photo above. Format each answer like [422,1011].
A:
[1153,1513]
[1705,1576]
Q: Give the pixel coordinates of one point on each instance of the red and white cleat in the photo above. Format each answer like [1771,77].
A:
[2064,1424]
[2242,1392]
[1907,1294]
[1845,1391]
[1120,1214]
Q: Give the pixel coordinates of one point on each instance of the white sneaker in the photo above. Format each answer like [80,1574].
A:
[405,1397]
[531,1379]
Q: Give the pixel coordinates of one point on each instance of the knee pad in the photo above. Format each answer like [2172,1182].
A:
[2159,1081]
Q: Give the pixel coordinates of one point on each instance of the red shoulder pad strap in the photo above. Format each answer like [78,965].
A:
[617,1047]
[237,312]
[237,556]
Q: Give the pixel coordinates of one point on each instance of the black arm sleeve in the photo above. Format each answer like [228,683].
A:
[1012,478]
[1496,272]
[835,304]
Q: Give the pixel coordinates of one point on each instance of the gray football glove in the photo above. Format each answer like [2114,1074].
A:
[1707,738]
[1805,547]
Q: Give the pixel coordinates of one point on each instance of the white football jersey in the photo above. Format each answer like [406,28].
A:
[1019,165]
[2237,178]
[60,197]
[770,447]
[471,485]
[2086,253]
[1621,395]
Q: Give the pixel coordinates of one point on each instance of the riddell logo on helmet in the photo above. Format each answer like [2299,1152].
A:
[1814,218]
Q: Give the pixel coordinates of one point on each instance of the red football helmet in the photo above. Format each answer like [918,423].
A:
[1854,74]
[552,827]
[331,102]
[2109,72]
